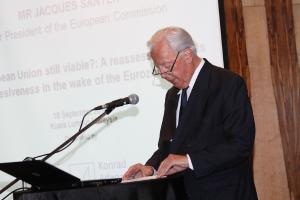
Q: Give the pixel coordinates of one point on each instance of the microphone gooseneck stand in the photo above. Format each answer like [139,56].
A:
[106,112]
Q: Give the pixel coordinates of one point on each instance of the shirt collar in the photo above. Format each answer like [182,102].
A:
[194,77]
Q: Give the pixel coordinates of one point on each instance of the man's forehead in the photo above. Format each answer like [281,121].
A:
[161,59]
[161,45]
[162,51]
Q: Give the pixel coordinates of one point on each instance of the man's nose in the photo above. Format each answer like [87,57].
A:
[166,75]
[164,69]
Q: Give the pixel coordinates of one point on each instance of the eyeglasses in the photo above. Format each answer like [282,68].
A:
[156,70]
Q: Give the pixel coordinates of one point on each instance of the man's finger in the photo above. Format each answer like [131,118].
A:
[172,164]
[132,171]
[164,167]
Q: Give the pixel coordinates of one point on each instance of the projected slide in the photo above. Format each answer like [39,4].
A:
[59,59]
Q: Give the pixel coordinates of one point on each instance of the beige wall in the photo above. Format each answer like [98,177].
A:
[269,167]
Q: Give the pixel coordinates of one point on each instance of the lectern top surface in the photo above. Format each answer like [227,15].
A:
[39,174]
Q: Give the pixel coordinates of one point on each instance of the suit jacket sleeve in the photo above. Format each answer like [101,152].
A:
[166,132]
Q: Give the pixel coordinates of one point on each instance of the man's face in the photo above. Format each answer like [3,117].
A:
[164,57]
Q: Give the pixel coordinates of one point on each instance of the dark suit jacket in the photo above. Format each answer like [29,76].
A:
[217,131]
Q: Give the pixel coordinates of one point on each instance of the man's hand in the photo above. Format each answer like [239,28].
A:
[173,164]
[137,171]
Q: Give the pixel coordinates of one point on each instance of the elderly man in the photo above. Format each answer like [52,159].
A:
[208,128]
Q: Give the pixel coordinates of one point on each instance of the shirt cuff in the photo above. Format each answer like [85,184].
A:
[190,162]
[154,171]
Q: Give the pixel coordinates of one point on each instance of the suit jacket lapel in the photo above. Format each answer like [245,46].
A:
[173,102]
[195,107]
[168,126]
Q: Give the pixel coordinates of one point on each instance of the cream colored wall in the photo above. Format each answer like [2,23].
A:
[296,2]
[269,166]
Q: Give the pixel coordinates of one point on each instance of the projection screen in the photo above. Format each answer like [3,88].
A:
[59,59]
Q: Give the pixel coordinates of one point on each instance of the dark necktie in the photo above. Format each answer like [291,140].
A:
[183,102]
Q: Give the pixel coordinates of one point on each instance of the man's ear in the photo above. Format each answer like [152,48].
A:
[188,55]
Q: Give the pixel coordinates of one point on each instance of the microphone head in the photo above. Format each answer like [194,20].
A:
[133,99]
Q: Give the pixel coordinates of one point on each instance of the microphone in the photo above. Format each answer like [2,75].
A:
[131,99]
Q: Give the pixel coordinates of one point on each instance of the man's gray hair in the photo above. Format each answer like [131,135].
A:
[177,37]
